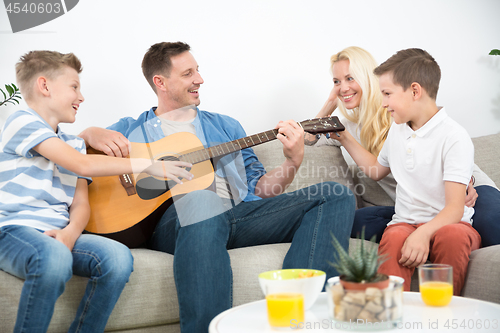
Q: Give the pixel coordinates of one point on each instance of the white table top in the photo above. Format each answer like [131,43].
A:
[461,315]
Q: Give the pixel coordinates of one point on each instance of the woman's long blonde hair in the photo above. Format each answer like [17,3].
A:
[374,121]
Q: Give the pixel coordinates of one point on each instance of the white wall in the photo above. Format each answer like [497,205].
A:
[266,60]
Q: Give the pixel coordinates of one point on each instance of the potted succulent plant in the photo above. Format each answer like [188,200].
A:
[358,270]
[360,294]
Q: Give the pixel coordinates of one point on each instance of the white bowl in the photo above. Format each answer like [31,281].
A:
[291,281]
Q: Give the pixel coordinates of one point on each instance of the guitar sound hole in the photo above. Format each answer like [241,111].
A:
[149,187]
[168,158]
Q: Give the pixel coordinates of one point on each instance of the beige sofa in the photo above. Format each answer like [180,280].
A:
[149,301]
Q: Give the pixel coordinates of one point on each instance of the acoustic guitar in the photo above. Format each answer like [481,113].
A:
[126,208]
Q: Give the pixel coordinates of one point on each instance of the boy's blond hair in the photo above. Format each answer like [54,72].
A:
[370,115]
[413,65]
[42,63]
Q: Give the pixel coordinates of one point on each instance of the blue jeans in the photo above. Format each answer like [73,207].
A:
[46,265]
[202,269]
[374,219]
[485,219]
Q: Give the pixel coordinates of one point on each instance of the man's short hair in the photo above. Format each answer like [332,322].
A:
[157,59]
[42,63]
[413,65]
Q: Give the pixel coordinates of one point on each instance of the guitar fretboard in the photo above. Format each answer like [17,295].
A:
[317,125]
[229,147]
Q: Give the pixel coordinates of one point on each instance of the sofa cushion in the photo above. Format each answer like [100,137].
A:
[486,150]
[247,263]
[483,274]
[149,298]
[152,287]
[320,164]
[368,191]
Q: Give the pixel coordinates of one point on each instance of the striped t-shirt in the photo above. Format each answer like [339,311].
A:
[34,191]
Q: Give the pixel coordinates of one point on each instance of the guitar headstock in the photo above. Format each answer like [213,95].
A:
[322,125]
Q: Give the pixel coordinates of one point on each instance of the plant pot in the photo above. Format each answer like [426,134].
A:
[370,309]
[349,285]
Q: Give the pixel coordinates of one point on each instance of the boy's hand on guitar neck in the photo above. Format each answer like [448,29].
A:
[110,142]
[292,138]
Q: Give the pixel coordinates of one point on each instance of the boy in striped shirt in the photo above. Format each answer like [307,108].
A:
[44,205]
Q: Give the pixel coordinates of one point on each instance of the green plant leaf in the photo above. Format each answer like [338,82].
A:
[10,90]
[14,95]
[344,264]
[371,267]
[495,52]
[360,262]
[336,244]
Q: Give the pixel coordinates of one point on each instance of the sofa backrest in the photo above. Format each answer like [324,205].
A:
[320,164]
[487,155]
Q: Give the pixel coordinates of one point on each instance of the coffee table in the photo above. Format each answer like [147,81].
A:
[461,315]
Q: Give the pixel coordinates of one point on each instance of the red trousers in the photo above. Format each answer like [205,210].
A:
[451,244]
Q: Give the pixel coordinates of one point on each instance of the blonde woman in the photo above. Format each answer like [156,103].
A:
[356,96]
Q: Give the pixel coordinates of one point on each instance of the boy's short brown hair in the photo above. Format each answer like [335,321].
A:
[157,59]
[46,63]
[413,65]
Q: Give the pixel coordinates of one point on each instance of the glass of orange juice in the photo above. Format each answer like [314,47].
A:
[285,310]
[436,284]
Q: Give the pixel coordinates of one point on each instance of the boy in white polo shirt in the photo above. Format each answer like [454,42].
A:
[432,158]
[44,203]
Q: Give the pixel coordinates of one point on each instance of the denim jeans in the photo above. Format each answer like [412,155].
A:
[487,215]
[202,269]
[374,219]
[485,219]
[46,265]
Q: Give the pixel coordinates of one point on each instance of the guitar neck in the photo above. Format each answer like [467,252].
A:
[229,147]
[313,126]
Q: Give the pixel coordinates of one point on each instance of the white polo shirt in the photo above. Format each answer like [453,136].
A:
[421,161]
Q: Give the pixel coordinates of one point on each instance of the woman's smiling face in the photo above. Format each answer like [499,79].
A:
[346,88]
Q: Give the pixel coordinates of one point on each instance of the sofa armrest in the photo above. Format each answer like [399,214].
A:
[483,274]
